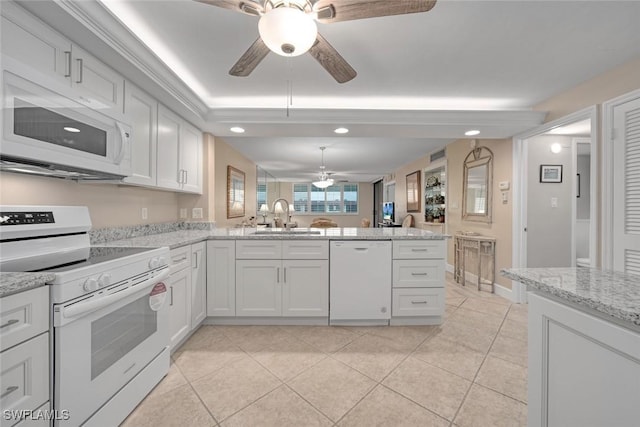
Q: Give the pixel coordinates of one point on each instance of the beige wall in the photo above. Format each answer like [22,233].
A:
[365,207]
[110,205]
[608,85]
[223,156]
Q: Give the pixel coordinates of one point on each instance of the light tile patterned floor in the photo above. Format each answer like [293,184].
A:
[469,371]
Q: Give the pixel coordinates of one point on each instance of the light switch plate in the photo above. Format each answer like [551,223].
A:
[144,213]
[554,202]
[183,213]
[196,213]
[503,185]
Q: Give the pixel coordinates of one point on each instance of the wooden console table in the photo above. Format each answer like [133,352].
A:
[484,249]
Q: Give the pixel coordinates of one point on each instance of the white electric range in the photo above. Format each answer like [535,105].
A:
[109,317]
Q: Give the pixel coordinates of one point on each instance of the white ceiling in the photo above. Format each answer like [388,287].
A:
[465,64]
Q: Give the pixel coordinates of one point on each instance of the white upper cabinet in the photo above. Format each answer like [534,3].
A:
[179,153]
[50,57]
[142,111]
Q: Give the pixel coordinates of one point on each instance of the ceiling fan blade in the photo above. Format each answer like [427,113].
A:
[331,60]
[249,7]
[250,59]
[348,10]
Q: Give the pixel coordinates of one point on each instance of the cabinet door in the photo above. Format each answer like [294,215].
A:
[99,86]
[142,111]
[198,283]
[305,288]
[221,278]
[179,306]
[191,158]
[28,40]
[258,288]
[168,156]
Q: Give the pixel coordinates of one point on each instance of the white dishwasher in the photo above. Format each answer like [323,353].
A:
[360,282]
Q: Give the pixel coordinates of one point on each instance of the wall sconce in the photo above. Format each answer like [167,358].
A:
[556,148]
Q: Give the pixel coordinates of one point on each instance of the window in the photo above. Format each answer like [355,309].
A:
[337,199]
[262,194]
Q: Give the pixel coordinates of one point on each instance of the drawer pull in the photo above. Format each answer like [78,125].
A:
[175,261]
[418,274]
[419,250]
[418,302]
[9,391]
[9,323]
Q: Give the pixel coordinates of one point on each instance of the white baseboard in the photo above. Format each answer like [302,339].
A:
[498,289]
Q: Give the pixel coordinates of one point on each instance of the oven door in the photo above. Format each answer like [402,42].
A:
[99,348]
[46,128]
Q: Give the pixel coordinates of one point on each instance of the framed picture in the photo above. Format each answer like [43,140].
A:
[413,192]
[550,173]
[235,192]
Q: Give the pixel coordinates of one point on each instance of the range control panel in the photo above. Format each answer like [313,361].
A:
[26,218]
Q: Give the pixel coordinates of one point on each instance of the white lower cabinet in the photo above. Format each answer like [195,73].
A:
[418,282]
[305,290]
[198,283]
[269,286]
[258,288]
[179,284]
[221,278]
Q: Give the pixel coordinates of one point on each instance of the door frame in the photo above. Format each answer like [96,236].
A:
[606,184]
[519,212]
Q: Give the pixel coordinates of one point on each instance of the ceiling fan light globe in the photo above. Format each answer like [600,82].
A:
[287,31]
[323,183]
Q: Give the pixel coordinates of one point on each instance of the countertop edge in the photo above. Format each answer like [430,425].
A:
[13,283]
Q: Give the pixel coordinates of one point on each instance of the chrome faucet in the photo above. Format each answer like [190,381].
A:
[286,220]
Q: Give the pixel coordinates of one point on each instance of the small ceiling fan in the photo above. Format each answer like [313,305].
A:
[288,28]
[324,179]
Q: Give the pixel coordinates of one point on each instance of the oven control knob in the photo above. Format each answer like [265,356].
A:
[154,263]
[104,280]
[162,261]
[90,284]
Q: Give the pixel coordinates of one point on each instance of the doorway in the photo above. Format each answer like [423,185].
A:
[545,188]
[378,195]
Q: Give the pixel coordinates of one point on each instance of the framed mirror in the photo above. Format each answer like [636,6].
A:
[235,192]
[477,181]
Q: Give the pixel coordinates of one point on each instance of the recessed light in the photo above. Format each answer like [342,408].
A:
[71,129]
[341,130]
[237,129]
[473,132]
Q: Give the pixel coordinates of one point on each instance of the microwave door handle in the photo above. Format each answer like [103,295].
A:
[124,139]
[82,308]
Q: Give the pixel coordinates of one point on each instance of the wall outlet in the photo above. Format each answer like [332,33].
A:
[196,213]
[183,213]
[144,212]
[554,202]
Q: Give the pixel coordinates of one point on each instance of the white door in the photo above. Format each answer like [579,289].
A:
[258,287]
[198,284]
[179,285]
[305,288]
[142,111]
[168,166]
[626,186]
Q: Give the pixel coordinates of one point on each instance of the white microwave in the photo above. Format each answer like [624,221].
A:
[45,131]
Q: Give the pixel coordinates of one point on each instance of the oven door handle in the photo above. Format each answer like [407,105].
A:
[82,308]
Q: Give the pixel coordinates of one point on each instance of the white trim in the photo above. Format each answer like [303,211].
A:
[519,238]
[607,175]
[574,206]
[499,290]
[504,292]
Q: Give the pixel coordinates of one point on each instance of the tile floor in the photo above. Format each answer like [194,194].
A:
[469,371]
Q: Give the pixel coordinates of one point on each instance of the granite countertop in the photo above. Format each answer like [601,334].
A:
[176,239]
[13,283]
[611,293]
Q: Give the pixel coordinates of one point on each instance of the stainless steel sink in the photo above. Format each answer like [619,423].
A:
[287,232]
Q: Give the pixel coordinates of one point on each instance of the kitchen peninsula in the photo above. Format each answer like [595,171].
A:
[584,346]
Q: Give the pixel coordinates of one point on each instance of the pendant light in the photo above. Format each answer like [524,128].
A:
[324,180]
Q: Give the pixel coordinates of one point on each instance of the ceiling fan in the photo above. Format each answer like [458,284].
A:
[324,179]
[288,28]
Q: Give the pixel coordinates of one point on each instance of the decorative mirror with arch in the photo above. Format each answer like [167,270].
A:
[477,181]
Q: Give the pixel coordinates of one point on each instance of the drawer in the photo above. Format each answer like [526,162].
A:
[418,273]
[39,418]
[259,249]
[23,316]
[180,258]
[418,249]
[417,302]
[25,376]
[305,249]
